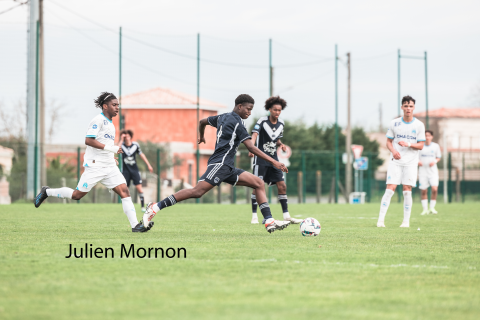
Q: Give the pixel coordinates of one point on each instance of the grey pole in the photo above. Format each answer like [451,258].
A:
[348,171]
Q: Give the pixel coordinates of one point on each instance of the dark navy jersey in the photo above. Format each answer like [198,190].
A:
[231,132]
[268,135]
[129,156]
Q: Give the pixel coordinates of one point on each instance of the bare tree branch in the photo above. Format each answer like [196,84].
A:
[57,113]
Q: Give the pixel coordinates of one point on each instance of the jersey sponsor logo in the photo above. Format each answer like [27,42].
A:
[107,136]
[406,136]
[94,126]
[129,160]
[270,147]
[397,124]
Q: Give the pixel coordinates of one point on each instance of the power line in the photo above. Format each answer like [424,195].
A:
[374,57]
[11,8]
[299,51]
[291,87]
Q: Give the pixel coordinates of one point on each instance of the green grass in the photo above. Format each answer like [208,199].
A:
[235,270]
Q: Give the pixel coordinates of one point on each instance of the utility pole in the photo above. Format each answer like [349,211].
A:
[337,164]
[270,95]
[198,110]
[41,88]
[348,149]
[120,122]
[398,84]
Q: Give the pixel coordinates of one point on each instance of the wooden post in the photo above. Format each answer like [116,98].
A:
[219,194]
[331,196]
[457,185]
[300,186]
[319,185]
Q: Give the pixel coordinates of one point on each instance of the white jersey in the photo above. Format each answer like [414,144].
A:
[102,129]
[413,132]
[428,155]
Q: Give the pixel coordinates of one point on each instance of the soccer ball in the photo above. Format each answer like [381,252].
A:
[310,227]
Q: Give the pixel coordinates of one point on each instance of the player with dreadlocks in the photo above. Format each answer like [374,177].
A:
[100,163]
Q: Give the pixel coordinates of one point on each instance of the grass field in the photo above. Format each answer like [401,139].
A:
[236,270]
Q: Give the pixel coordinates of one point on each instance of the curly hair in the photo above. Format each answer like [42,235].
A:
[407,99]
[244,98]
[275,101]
[103,98]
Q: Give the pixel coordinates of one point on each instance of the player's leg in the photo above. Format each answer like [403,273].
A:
[137,182]
[433,201]
[393,179]
[258,172]
[423,186]
[409,180]
[247,179]
[275,176]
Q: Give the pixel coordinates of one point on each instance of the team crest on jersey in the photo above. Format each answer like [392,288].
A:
[414,131]
[216,179]
[269,147]
[94,126]
[85,185]
[105,122]
[397,124]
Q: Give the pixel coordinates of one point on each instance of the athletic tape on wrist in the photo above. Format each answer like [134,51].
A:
[113,149]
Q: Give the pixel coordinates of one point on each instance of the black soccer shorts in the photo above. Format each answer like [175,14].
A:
[218,173]
[269,175]
[133,175]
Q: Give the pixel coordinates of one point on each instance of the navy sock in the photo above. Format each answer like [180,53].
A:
[254,204]
[167,202]
[265,209]
[284,202]
[142,199]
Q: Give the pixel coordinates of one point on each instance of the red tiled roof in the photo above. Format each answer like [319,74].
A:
[451,113]
[163,96]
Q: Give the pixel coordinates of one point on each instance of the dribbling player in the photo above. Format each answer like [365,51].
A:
[405,139]
[100,163]
[428,172]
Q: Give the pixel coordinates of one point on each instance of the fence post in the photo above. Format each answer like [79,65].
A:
[158,175]
[78,167]
[449,177]
[319,185]
[304,180]
[64,184]
[219,194]
[300,186]
[463,178]
[457,184]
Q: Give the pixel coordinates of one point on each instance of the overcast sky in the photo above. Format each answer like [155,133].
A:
[82,57]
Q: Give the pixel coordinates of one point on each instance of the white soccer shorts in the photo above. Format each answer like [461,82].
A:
[427,180]
[110,177]
[405,175]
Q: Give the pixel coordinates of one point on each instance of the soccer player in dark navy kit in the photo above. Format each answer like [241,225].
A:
[231,132]
[129,168]
[267,133]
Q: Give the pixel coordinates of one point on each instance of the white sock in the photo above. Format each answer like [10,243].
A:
[254,215]
[432,204]
[286,215]
[129,210]
[155,208]
[62,193]
[425,204]
[407,205]
[385,204]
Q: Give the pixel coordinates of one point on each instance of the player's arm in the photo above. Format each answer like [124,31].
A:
[390,147]
[92,142]
[251,148]
[201,130]
[416,146]
[144,158]
[254,138]
[281,145]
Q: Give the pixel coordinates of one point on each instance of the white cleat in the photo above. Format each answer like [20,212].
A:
[293,220]
[148,215]
[271,225]
[143,209]
[424,212]
[433,211]
[405,225]
[254,221]
[380,224]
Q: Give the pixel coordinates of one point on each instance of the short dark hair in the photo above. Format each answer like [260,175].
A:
[244,98]
[275,101]
[407,99]
[125,131]
[103,98]
[429,131]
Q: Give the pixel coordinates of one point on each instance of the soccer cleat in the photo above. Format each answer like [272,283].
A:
[433,211]
[293,220]
[148,215]
[271,225]
[41,196]
[424,212]
[380,224]
[254,220]
[405,224]
[141,228]
[143,209]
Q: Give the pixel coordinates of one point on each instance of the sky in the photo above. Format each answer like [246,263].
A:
[160,46]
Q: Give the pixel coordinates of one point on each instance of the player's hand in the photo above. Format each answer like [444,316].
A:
[403,144]
[396,155]
[284,147]
[251,155]
[432,163]
[122,136]
[150,169]
[120,150]
[202,139]
[420,163]
[280,166]
[116,161]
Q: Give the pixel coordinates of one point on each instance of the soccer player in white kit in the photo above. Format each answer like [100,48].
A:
[428,172]
[100,163]
[405,138]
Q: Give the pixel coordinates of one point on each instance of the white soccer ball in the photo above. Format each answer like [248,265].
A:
[310,227]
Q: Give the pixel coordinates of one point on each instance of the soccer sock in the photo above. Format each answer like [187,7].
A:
[284,202]
[254,206]
[265,209]
[63,193]
[167,202]
[142,199]
[425,204]
[385,203]
[129,210]
[432,204]
[407,205]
